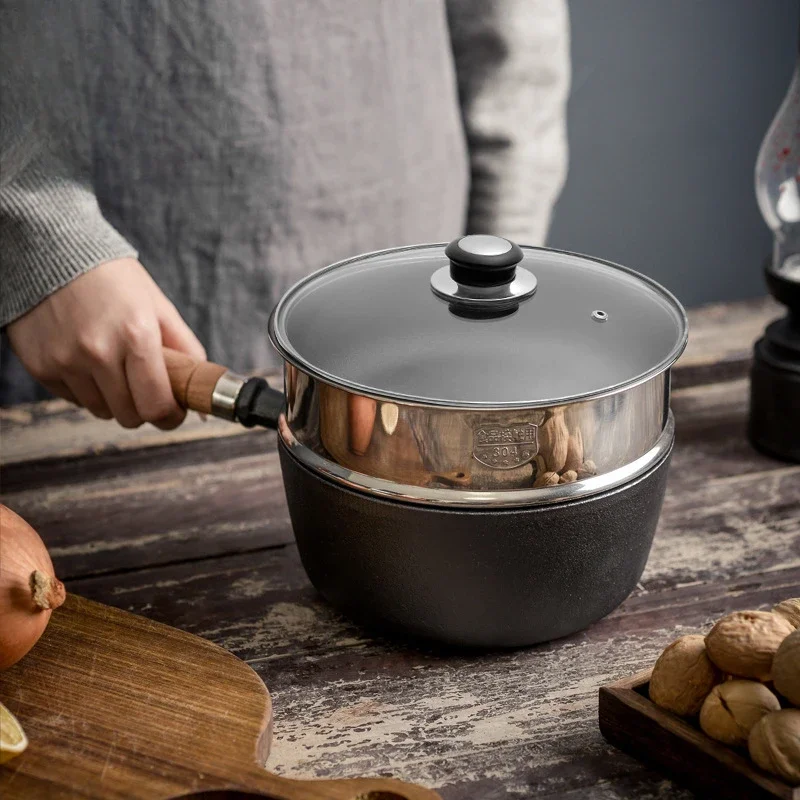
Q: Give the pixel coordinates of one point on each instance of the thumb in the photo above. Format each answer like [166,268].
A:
[175,333]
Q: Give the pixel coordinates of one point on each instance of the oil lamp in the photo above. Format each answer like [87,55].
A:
[774,424]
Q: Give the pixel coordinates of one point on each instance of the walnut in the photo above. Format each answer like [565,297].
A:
[774,744]
[546,479]
[683,676]
[790,609]
[730,711]
[786,668]
[570,476]
[744,643]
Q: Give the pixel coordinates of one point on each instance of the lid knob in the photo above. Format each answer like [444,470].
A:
[484,275]
[479,260]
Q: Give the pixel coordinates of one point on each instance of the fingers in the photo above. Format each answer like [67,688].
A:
[87,394]
[97,342]
[113,383]
[81,390]
[175,333]
[59,389]
[152,394]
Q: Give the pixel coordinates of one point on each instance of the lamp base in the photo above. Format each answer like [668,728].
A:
[774,424]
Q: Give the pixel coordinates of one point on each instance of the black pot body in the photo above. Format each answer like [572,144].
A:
[473,577]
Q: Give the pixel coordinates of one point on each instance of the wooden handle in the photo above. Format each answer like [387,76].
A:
[192,381]
[359,789]
[262,784]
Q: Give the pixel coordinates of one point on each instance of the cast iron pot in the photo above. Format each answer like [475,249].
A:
[474,438]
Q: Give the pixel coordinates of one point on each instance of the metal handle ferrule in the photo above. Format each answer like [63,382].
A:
[226,391]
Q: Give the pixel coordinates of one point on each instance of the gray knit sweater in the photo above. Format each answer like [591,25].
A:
[236,145]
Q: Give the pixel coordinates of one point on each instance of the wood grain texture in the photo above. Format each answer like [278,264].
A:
[192,381]
[117,706]
[517,723]
[495,726]
[56,430]
[153,506]
[721,338]
[213,554]
[633,723]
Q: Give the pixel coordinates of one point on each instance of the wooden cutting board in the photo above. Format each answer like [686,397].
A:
[117,706]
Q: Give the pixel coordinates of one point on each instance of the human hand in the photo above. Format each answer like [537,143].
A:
[98,342]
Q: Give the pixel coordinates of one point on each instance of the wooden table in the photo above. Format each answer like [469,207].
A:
[191,528]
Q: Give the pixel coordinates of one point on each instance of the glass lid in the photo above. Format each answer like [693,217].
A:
[479,323]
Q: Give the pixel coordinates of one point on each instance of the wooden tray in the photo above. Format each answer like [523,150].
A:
[630,721]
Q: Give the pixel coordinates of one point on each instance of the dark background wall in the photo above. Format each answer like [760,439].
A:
[670,101]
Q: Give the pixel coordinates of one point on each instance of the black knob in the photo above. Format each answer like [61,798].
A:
[259,404]
[784,286]
[479,260]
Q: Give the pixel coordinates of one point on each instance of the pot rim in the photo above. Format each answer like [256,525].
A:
[390,490]
[281,343]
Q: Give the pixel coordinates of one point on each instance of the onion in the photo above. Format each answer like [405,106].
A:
[29,590]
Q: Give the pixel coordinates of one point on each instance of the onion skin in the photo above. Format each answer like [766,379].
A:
[29,590]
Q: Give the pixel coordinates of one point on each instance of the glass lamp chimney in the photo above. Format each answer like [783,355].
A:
[777,180]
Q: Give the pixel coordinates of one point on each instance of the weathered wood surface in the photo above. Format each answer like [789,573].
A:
[126,510]
[57,429]
[197,534]
[721,338]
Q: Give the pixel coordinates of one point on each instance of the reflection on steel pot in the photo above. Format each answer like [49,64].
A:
[474,438]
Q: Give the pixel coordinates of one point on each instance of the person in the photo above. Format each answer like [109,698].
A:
[201,157]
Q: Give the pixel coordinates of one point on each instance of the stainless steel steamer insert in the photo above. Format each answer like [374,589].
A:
[458,375]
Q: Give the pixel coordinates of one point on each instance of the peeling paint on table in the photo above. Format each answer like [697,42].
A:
[195,532]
